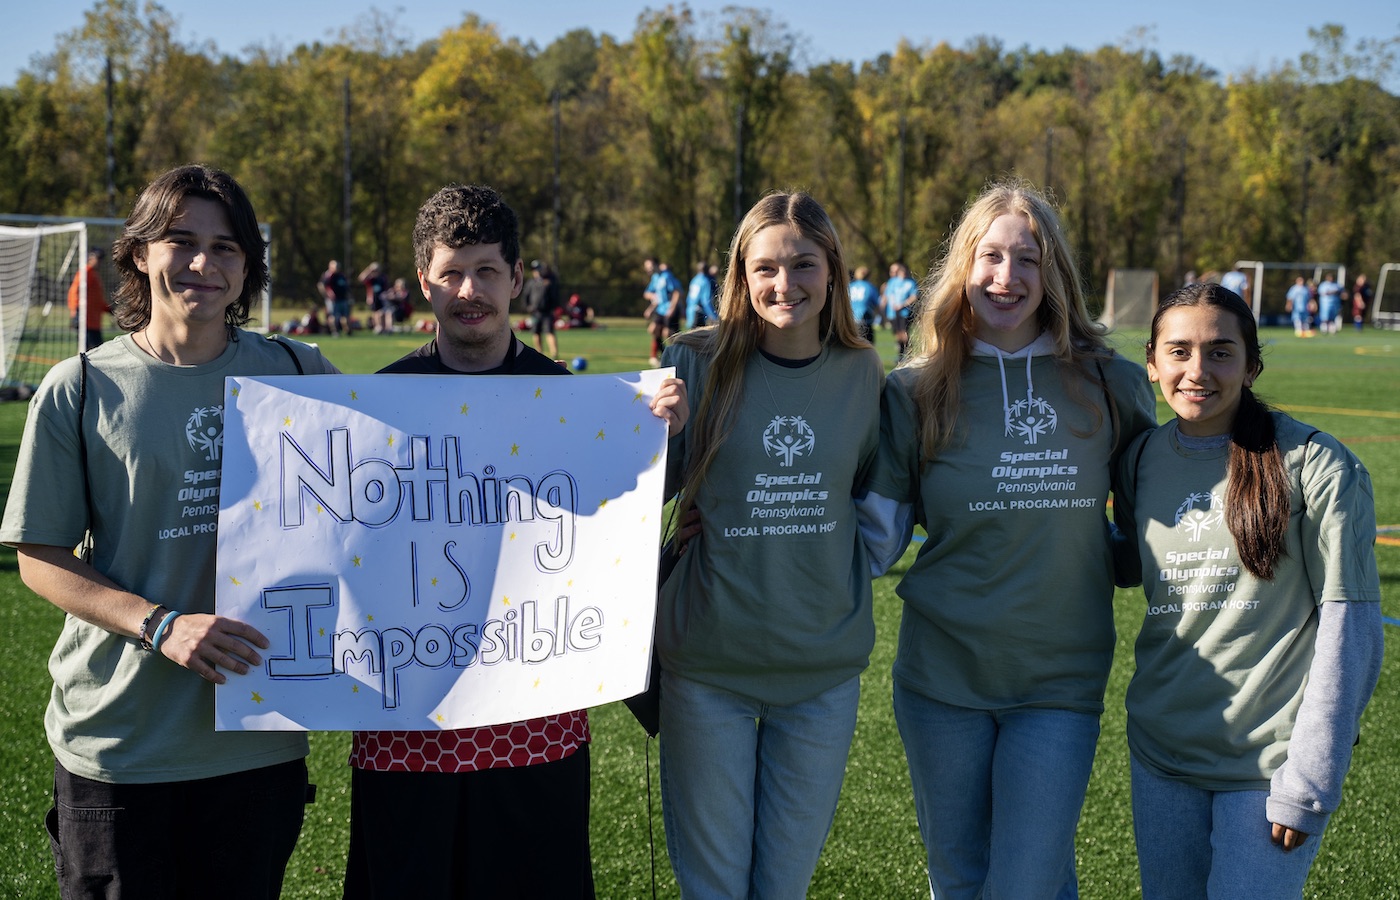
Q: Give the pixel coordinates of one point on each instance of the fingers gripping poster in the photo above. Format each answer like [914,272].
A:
[428,552]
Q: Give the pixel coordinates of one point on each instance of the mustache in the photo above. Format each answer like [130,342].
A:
[469,306]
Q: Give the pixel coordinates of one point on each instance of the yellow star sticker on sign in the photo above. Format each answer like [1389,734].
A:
[357,560]
[440,717]
[514,449]
[538,393]
[391,440]
[637,429]
[600,436]
[464,409]
[257,504]
[354,395]
[234,580]
[257,698]
[639,396]
[234,392]
[286,420]
[354,689]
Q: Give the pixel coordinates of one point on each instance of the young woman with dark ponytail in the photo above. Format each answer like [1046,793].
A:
[1262,640]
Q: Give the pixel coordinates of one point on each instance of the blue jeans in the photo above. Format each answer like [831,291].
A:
[1194,843]
[749,790]
[998,793]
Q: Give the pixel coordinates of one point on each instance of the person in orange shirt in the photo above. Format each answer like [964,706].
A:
[96,299]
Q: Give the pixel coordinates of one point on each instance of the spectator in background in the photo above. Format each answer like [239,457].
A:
[96,298]
[541,300]
[398,302]
[699,298]
[1360,301]
[375,283]
[898,298]
[865,303]
[1329,305]
[1236,280]
[663,295]
[1296,303]
[335,287]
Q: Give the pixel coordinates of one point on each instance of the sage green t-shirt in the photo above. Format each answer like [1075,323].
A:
[773,601]
[1009,600]
[1223,657]
[154,436]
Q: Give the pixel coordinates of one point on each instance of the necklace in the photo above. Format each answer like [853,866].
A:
[149,347]
[816,384]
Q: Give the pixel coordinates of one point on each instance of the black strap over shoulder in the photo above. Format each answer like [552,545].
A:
[296,360]
[86,548]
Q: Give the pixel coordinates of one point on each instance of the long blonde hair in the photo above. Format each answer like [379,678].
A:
[941,340]
[735,338]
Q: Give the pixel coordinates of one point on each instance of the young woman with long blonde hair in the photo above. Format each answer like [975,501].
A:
[765,624]
[998,436]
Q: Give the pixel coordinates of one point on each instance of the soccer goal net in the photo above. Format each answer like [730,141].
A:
[1131,298]
[1269,283]
[37,264]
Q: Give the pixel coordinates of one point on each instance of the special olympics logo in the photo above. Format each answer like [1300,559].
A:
[1199,513]
[1031,419]
[205,431]
[788,437]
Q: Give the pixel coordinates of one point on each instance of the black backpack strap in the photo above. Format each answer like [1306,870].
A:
[85,549]
[1108,401]
[296,360]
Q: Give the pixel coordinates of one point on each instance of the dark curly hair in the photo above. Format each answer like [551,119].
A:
[150,220]
[462,214]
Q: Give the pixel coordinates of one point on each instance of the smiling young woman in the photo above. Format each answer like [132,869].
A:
[997,437]
[1261,642]
[765,624]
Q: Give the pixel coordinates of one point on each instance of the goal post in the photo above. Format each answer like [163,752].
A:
[1130,299]
[1385,312]
[37,264]
[35,321]
[1269,283]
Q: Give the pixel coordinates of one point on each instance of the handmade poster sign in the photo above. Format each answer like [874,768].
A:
[431,552]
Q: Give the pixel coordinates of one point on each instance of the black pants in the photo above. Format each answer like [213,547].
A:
[229,836]
[497,833]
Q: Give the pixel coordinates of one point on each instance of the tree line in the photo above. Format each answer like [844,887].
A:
[657,143]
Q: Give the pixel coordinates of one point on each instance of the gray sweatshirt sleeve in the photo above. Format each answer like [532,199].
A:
[1307,788]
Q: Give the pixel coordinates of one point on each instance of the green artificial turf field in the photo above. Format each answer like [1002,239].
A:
[1348,385]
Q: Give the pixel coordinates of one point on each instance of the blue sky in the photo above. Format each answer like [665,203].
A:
[1228,35]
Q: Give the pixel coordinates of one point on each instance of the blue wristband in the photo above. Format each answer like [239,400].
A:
[161,628]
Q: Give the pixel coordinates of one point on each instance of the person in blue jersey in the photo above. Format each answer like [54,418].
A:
[865,303]
[1329,305]
[998,437]
[1261,641]
[663,296]
[765,624]
[1296,303]
[699,298]
[897,300]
